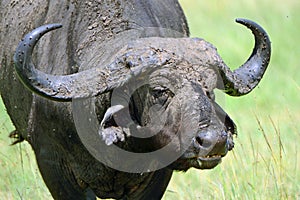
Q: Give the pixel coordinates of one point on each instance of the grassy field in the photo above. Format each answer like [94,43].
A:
[265,163]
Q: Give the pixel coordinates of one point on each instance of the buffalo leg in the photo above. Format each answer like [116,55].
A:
[58,177]
[157,186]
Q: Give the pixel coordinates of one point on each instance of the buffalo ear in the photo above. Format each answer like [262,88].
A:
[113,126]
[224,117]
[108,118]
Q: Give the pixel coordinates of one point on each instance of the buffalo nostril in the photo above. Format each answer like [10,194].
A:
[213,141]
[199,140]
[203,142]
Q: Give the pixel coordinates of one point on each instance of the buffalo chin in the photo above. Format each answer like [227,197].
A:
[208,163]
[198,163]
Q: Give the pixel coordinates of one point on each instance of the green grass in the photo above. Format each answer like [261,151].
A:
[265,163]
[20,177]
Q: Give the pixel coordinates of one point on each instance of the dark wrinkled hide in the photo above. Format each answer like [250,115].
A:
[65,164]
[92,32]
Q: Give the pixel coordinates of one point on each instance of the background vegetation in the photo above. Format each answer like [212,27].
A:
[265,163]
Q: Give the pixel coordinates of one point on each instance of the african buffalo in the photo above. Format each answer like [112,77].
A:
[120,96]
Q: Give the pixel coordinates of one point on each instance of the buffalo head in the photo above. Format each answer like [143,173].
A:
[161,94]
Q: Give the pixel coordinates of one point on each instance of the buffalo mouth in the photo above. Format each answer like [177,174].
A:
[208,162]
[200,157]
[198,162]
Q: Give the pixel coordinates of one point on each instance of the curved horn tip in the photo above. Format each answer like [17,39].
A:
[251,25]
[245,22]
[27,44]
[29,40]
[37,33]
[22,57]
[245,78]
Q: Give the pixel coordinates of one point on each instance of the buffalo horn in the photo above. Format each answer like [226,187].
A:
[244,79]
